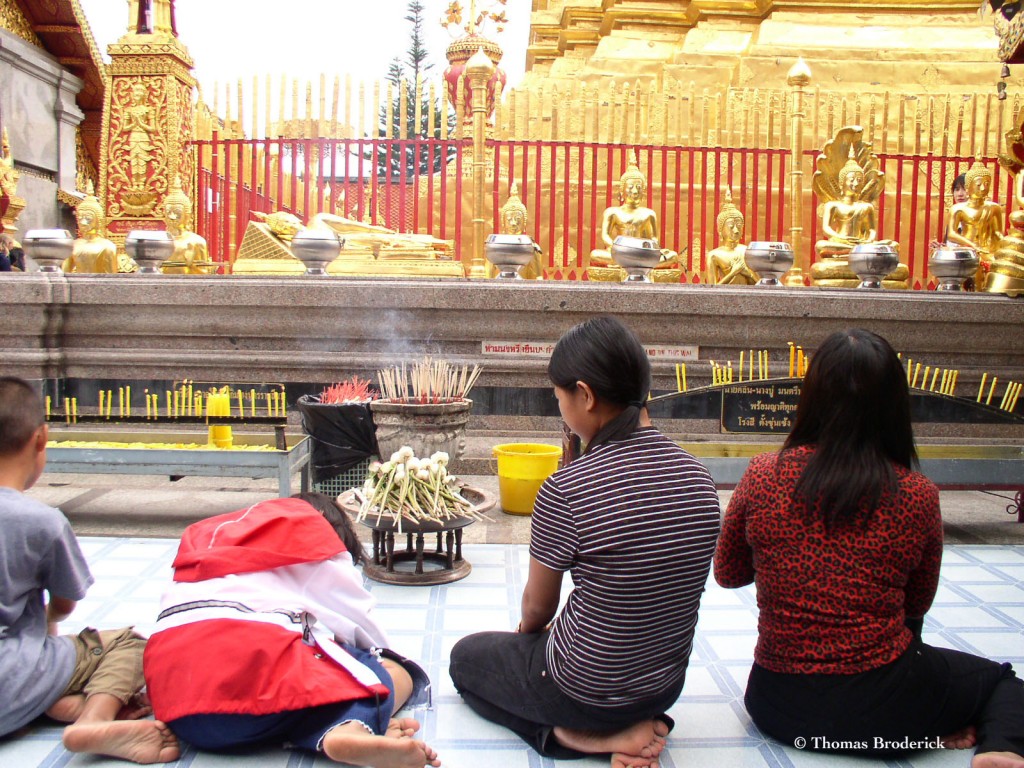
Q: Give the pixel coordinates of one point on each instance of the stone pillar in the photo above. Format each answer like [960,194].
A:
[147,126]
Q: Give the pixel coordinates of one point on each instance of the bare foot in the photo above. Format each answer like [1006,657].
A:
[138,707]
[350,743]
[965,738]
[399,728]
[141,741]
[643,740]
[997,760]
[67,709]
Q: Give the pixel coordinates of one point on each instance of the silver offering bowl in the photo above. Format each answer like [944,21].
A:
[509,254]
[637,255]
[770,260]
[149,248]
[49,247]
[953,264]
[871,262]
[316,249]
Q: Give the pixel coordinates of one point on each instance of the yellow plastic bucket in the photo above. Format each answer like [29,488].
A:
[522,467]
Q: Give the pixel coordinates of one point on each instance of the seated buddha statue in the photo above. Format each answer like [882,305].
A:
[190,256]
[631,219]
[727,263]
[1006,271]
[977,222]
[513,216]
[91,252]
[848,214]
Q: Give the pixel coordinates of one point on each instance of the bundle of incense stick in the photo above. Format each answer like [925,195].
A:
[428,381]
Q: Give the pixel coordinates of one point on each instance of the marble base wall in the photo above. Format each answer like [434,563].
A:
[320,330]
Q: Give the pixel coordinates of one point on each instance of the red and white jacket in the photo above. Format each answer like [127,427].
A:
[248,625]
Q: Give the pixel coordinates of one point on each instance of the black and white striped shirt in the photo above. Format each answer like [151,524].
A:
[635,522]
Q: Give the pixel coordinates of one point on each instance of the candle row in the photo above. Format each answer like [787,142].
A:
[798,361]
[183,401]
[941,380]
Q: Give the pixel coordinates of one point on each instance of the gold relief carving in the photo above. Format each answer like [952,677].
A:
[137,153]
[14,21]
[931,79]
[11,205]
[152,65]
[85,173]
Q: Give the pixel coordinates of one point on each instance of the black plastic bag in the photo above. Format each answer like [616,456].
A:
[343,435]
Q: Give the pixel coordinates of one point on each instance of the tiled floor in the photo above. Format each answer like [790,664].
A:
[979,608]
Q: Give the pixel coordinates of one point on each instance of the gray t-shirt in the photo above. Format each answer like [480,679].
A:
[38,552]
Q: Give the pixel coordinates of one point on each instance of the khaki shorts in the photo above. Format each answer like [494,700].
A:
[107,662]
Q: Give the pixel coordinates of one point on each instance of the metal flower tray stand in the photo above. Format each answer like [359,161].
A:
[418,564]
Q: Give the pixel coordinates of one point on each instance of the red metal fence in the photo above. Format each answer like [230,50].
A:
[419,186]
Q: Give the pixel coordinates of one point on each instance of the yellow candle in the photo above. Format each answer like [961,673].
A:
[935,375]
[952,384]
[270,411]
[799,361]
[110,402]
[1013,403]
[149,406]
[120,401]
[49,402]
[101,403]
[1006,396]
[991,390]
[729,374]
[167,392]
[284,403]
[750,365]
[792,358]
[917,370]
[766,372]
[241,405]
[684,377]
[252,402]
[981,388]
[679,378]
[74,409]
[944,382]
[67,410]
[741,365]
[177,400]
[910,367]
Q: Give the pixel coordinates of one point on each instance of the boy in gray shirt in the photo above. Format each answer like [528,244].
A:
[90,680]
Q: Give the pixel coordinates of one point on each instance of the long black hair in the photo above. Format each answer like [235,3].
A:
[608,356]
[336,516]
[855,410]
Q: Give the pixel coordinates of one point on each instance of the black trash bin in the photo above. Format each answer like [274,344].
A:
[344,442]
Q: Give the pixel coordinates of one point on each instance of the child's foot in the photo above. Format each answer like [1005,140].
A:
[67,709]
[641,743]
[965,738]
[141,741]
[350,743]
[997,760]
[136,708]
[402,727]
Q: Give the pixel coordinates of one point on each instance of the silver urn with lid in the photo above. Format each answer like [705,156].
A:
[509,254]
[770,260]
[871,262]
[637,255]
[953,265]
[149,248]
[50,248]
[316,249]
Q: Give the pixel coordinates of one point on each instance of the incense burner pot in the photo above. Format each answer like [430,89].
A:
[637,255]
[509,254]
[316,249]
[424,427]
[150,248]
[769,260]
[952,266]
[49,247]
[872,262]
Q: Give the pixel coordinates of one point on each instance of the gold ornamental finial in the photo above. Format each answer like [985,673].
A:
[480,64]
[729,211]
[977,171]
[799,73]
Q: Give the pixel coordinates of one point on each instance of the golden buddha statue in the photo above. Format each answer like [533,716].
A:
[91,252]
[631,219]
[1006,272]
[513,215]
[10,204]
[726,263]
[850,190]
[977,222]
[191,256]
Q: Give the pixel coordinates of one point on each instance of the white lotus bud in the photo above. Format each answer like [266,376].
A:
[400,472]
[440,457]
[413,464]
[407,452]
[422,474]
[397,457]
[386,467]
[374,467]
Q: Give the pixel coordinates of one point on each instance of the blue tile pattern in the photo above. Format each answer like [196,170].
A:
[979,608]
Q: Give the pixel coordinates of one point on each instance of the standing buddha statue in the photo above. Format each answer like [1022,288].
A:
[727,263]
[850,190]
[91,251]
[1006,274]
[191,256]
[631,219]
[977,222]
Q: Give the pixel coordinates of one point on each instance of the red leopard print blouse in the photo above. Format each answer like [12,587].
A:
[831,604]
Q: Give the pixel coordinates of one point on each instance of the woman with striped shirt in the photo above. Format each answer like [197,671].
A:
[634,521]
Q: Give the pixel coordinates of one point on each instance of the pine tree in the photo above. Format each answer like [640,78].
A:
[412,160]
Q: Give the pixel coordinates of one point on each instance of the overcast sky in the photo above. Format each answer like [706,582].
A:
[232,40]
